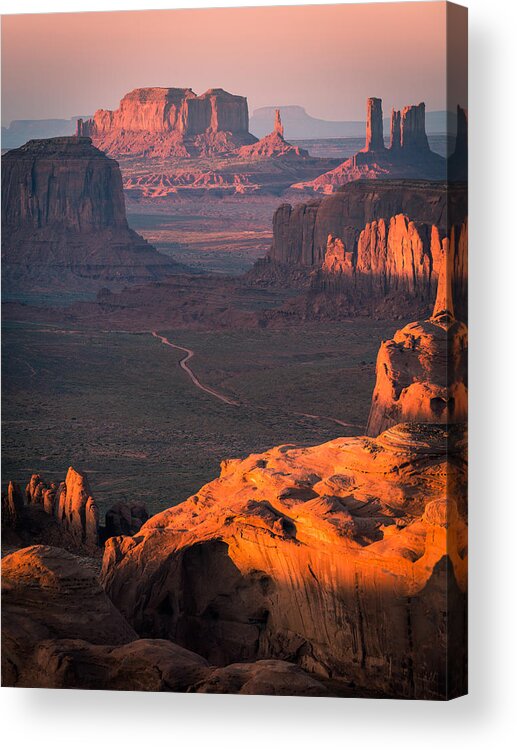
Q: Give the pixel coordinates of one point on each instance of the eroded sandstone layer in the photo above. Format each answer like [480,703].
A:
[64,219]
[162,122]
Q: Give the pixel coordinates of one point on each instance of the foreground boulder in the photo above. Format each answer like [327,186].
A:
[323,556]
[49,593]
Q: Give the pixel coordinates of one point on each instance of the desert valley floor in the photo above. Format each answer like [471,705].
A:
[119,406]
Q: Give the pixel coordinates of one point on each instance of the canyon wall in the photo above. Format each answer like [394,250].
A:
[64,219]
[171,122]
[371,239]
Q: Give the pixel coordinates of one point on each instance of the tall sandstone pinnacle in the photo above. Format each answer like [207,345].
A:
[413,135]
[70,503]
[64,219]
[278,128]
[374,127]
[408,156]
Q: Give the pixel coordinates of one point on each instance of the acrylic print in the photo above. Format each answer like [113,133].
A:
[234,264]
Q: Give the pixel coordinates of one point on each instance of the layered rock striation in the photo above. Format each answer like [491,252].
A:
[64,219]
[163,122]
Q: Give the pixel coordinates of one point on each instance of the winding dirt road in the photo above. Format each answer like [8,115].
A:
[183,363]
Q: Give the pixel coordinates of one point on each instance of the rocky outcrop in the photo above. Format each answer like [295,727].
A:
[274,146]
[412,132]
[408,156]
[71,504]
[421,374]
[344,558]
[64,220]
[60,630]
[163,122]
[50,593]
[300,232]
[12,506]
[395,133]
[374,126]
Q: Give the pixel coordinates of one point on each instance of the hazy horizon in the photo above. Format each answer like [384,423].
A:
[65,65]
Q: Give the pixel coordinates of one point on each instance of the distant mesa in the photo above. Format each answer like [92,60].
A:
[407,156]
[274,145]
[21,131]
[163,122]
[64,219]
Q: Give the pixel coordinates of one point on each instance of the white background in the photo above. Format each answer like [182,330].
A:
[77,719]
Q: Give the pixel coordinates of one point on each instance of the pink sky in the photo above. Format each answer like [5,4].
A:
[325,58]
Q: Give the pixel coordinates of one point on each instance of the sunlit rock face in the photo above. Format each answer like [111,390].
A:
[335,557]
[64,219]
[171,122]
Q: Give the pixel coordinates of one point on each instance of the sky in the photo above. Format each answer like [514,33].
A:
[325,58]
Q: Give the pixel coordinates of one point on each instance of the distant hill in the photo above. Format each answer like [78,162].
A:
[21,131]
[299,125]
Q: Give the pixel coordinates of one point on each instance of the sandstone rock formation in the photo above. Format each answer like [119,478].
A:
[279,128]
[408,156]
[273,146]
[163,122]
[64,220]
[345,558]
[50,593]
[371,240]
[70,503]
[60,630]
[422,371]
[12,506]
[374,127]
